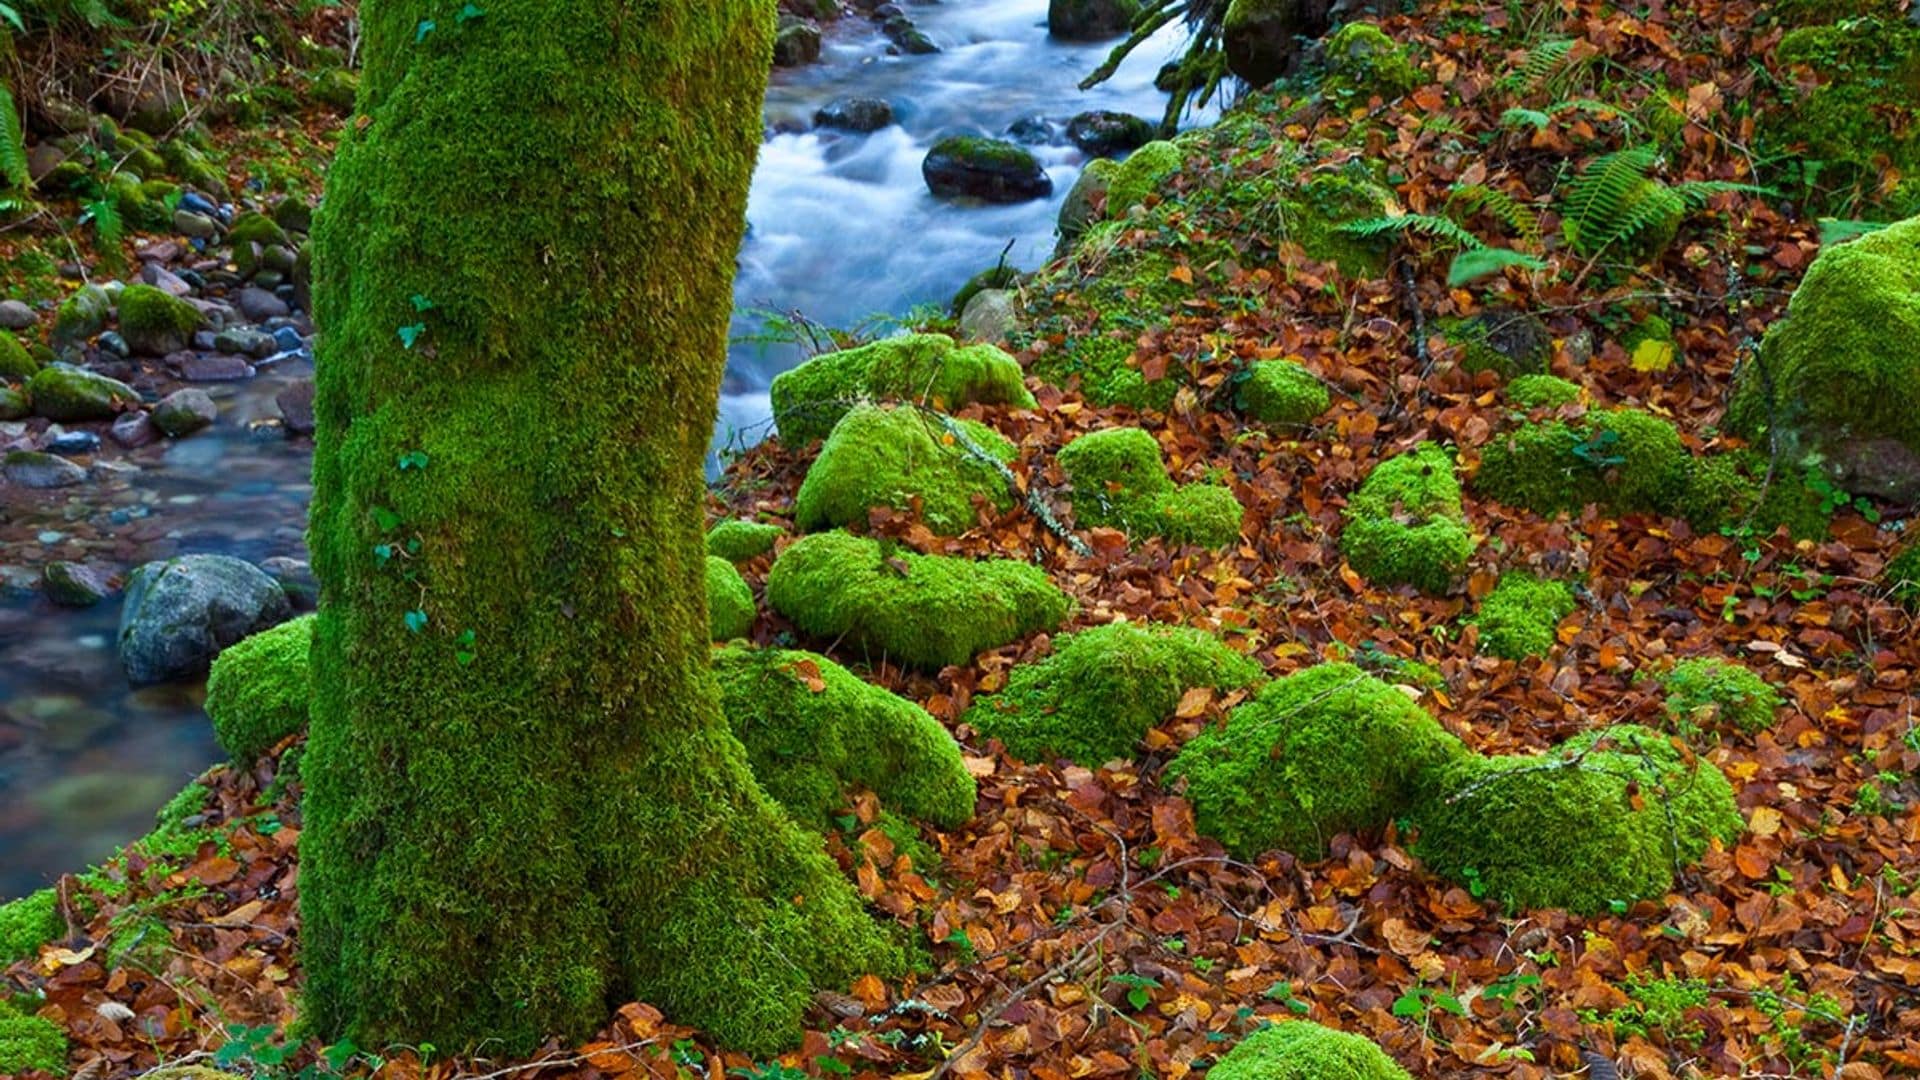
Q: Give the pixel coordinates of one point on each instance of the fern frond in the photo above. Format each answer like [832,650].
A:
[1840,230]
[1465,199]
[1518,117]
[95,13]
[1697,193]
[1550,63]
[1440,228]
[1600,198]
[13,144]
[108,228]
[1654,209]
[1471,266]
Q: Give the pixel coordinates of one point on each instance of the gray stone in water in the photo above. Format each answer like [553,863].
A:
[855,114]
[217,367]
[181,612]
[199,226]
[184,412]
[296,407]
[247,342]
[71,584]
[32,469]
[15,315]
[134,430]
[259,305]
[296,577]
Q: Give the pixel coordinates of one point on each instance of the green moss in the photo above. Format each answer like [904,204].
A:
[1508,342]
[1102,689]
[1103,365]
[1327,201]
[730,609]
[1543,391]
[192,167]
[738,541]
[582,753]
[1303,1050]
[813,730]
[1608,817]
[68,394]
[28,923]
[15,361]
[928,369]
[79,317]
[254,227]
[1364,63]
[188,802]
[1145,172]
[1283,393]
[1846,119]
[922,610]
[1405,525]
[1119,481]
[1324,751]
[1625,459]
[1730,491]
[30,1044]
[156,322]
[1902,576]
[1518,619]
[259,689]
[14,404]
[1841,367]
[1705,691]
[902,457]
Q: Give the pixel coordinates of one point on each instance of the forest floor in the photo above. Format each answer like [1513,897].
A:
[1079,926]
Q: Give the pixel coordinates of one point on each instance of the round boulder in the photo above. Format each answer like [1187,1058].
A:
[861,114]
[1104,133]
[968,166]
[1090,20]
[181,612]
[184,412]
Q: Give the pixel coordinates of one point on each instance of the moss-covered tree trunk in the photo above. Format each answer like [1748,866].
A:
[523,806]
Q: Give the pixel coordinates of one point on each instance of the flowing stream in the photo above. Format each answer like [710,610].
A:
[842,228]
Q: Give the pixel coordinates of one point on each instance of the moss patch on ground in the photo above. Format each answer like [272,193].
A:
[1707,692]
[1283,393]
[902,457]
[1627,460]
[1120,481]
[30,1044]
[1405,526]
[259,689]
[1303,1050]
[28,923]
[1518,619]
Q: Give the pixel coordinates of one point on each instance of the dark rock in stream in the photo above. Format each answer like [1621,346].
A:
[214,367]
[134,430]
[184,412]
[73,585]
[796,43]
[989,169]
[1104,133]
[855,114]
[181,612]
[259,305]
[33,469]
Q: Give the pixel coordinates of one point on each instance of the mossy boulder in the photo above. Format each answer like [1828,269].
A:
[1518,619]
[156,323]
[1262,37]
[924,611]
[1303,1050]
[30,1044]
[194,168]
[1090,20]
[902,457]
[336,88]
[1706,692]
[991,170]
[1314,214]
[1405,526]
[69,394]
[14,403]
[15,361]
[1144,173]
[1850,102]
[730,609]
[1324,751]
[1606,818]
[927,369]
[1902,576]
[1627,460]
[1283,393]
[1364,63]
[28,923]
[1103,689]
[813,729]
[1543,391]
[738,541]
[259,687]
[1077,212]
[999,276]
[1732,489]
[79,317]
[1120,481]
[1502,340]
[1835,379]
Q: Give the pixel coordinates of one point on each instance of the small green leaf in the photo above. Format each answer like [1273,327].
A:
[411,333]
[421,304]
[385,519]
[420,32]
[413,459]
[383,553]
[416,620]
[1139,998]
[469,13]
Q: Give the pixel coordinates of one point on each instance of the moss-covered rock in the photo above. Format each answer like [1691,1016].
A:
[1000,276]
[1262,37]
[1502,340]
[738,541]
[15,361]
[992,170]
[921,610]
[1364,63]
[1835,379]
[730,609]
[1283,393]
[1090,20]
[337,88]
[194,168]
[28,923]
[1731,490]
[70,394]
[928,369]
[812,729]
[1625,459]
[1543,391]
[1313,217]
[901,457]
[14,403]
[254,227]
[259,689]
[156,323]
[1077,213]
[1405,526]
[1303,1050]
[1102,689]
[30,1044]
[1120,481]
[79,317]
[1846,120]
[1518,618]
[1606,818]
[1144,173]
[1708,692]
[1902,576]
[1324,751]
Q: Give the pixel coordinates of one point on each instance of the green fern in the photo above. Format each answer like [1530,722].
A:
[13,144]
[1465,199]
[108,229]
[1549,64]
[1609,196]
[1440,228]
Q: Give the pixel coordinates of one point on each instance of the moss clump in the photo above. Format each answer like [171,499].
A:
[1324,751]
[70,394]
[730,609]
[813,729]
[79,317]
[1543,392]
[30,1044]
[1303,1050]
[1518,619]
[922,610]
[1706,691]
[1405,525]
[738,541]
[1902,576]
[186,803]
[1144,173]
[1625,459]
[1835,378]
[1607,817]
[925,368]
[900,458]
[28,923]
[1849,103]
[1329,200]
[259,689]
[1102,689]
[1120,481]
[1504,341]
[15,361]
[1730,491]
[1283,393]
[254,227]
[1364,63]
[1103,363]
[155,322]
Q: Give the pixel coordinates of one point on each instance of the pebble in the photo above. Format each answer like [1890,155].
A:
[215,367]
[134,430]
[74,442]
[15,315]
[259,305]
[112,342]
[198,203]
